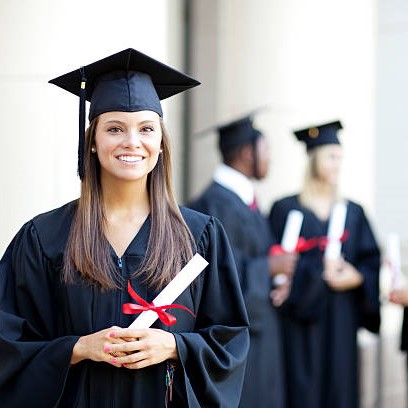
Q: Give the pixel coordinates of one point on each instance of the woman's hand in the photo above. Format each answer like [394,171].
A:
[341,275]
[142,347]
[137,348]
[93,346]
[399,296]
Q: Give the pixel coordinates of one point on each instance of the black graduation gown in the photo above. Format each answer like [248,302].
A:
[404,332]
[41,319]
[319,324]
[250,238]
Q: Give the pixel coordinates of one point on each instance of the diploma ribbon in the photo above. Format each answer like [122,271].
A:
[304,245]
[143,306]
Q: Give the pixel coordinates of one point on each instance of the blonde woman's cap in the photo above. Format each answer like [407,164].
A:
[318,135]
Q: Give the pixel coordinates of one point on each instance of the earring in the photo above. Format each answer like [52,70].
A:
[93,149]
[161,151]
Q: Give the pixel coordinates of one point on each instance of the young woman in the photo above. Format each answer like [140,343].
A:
[64,340]
[330,298]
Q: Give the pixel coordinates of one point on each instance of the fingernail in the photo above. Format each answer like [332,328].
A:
[114,360]
[112,334]
[107,349]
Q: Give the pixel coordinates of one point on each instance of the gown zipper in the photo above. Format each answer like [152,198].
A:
[170,366]
[116,372]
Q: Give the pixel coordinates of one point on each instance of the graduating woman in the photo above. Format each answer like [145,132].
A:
[64,341]
[330,298]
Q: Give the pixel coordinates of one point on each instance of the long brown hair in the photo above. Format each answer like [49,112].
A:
[170,243]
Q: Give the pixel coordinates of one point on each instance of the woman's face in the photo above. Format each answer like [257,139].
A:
[328,163]
[128,144]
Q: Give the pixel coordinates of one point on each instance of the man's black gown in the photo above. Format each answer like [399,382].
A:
[319,324]
[41,319]
[251,239]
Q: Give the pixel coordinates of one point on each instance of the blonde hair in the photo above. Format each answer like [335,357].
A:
[170,243]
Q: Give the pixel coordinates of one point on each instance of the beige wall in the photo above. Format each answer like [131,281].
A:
[392,126]
[310,61]
[391,175]
[313,62]
[296,57]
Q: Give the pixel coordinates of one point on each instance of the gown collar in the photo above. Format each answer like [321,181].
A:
[236,182]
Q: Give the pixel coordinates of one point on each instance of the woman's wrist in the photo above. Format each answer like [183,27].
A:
[77,352]
[173,353]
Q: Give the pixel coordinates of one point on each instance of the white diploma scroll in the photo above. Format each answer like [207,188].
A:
[291,232]
[336,230]
[393,258]
[290,239]
[172,291]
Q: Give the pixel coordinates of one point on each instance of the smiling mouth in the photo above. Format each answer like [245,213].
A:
[130,159]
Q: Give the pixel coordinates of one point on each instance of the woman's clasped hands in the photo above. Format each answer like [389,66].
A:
[126,347]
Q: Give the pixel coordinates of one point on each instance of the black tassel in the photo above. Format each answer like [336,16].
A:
[81,141]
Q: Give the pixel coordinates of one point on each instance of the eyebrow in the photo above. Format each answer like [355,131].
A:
[119,122]
[114,121]
[143,122]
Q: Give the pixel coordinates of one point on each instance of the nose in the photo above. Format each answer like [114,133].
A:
[132,138]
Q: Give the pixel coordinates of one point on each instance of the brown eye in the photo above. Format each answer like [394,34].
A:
[114,129]
[147,129]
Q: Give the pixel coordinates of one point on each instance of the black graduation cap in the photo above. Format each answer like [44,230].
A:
[237,133]
[319,135]
[128,81]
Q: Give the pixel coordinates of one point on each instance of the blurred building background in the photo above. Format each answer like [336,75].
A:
[307,62]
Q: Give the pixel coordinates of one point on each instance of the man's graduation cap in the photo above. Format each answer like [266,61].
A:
[237,133]
[319,135]
[128,81]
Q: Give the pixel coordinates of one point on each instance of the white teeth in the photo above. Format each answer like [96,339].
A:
[130,159]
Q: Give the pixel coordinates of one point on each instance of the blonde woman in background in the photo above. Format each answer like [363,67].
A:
[329,300]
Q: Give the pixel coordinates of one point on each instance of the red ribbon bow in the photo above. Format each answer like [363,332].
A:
[306,244]
[166,318]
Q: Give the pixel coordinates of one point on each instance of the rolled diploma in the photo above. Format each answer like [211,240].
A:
[393,255]
[290,238]
[336,229]
[172,291]
[291,232]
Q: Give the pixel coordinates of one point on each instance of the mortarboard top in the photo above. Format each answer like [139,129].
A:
[237,133]
[319,135]
[128,81]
